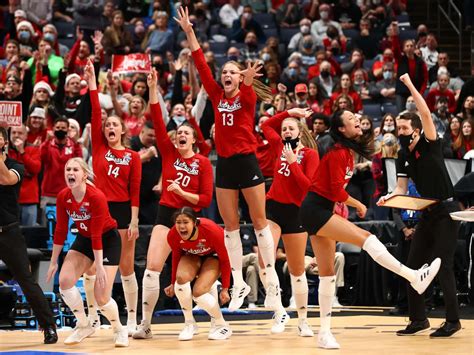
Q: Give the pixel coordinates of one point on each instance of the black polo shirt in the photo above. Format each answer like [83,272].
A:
[9,207]
[425,166]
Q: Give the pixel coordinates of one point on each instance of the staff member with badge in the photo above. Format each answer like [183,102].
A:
[12,243]
[421,159]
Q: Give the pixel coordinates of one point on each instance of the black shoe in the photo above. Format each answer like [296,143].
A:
[446,330]
[415,327]
[398,311]
[50,335]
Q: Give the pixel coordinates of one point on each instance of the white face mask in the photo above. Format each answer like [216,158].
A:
[324,15]
[304,29]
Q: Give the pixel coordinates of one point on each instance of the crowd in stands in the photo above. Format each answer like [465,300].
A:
[325,55]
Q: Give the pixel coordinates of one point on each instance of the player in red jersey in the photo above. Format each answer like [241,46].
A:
[98,242]
[325,228]
[199,253]
[295,163]
[118,174]
[187,181]
[237,167]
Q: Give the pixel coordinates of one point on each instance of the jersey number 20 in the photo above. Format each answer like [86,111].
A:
[182,179]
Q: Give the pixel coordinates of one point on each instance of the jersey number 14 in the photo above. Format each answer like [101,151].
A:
[114,171]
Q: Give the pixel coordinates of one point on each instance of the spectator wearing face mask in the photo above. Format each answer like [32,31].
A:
[301,96]
[442,90]
[233,53]
[305,30]
[441,115]
[366,39]
[267,55]
[334,42]
[377,67]
[307,48]
[325,80]
[27,38]
[250,51]
[319,27]
[292,75]
[246,24]
[410,106]
[50,34]
[384,89]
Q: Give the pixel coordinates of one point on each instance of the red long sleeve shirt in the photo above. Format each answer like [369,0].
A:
[290,181]
[433,96]
[31,159]
[91,216]
[234,117]
[265,156]
[118,173]
[193,174]
[54,158]
[333,174]
[210,240]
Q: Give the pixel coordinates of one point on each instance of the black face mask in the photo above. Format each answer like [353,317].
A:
[60,134]
[293,142]
[325,74]
[405,140]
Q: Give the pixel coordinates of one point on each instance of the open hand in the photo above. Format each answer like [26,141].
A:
[183,19]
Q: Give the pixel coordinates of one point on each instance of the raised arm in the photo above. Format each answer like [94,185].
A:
[96,117]
[425,114]
[187,26]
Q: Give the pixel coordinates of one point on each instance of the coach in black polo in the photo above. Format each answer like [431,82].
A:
[12,243]
[421,159]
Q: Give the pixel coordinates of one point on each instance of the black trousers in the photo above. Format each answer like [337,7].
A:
[13,253]
[435,236]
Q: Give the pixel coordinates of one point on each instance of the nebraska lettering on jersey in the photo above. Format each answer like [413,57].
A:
[110,157]
[201,248]
[224,106]
[84,216]
[191,169]
[299,157]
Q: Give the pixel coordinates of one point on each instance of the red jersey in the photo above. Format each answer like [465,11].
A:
[91,216]
[54,158]
[31,159]
[134,124]
[210,240]
[333,174]
[234,117]
[356,101]
[290,181]
[118,172]
[193,174]
[265,156]
[435,94]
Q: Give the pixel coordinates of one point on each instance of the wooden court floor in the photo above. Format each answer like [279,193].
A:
[357,334]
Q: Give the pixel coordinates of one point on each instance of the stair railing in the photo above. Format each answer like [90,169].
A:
[448,14]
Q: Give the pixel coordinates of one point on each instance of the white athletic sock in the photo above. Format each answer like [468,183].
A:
[299,285]
[110,311]
[233,245]
[74,301]
[266,248]
[211,306]
[89,282]
[262,273]
[214,290]
[374,247]
[185,298]
[150,294]
[326,290]
[130,291]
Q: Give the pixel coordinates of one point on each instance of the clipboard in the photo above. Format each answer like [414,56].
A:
[406,202]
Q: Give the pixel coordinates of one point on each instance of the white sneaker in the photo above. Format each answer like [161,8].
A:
[94,320]
[273,298]
[131,327]
[335,303]
[280,318]
[252,305]
[327,341]
[220,332]
[79,334]
[304,329]
[190,329]
[425,275]
[239,292]
[121,338]
[143,331]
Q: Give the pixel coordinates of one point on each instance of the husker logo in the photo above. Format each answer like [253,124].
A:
[109,156]
[192,169]
[84,216]
[224,106]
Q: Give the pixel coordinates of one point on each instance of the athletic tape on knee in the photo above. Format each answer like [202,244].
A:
[327,285]
[151,280]
[232,240]
[299,284]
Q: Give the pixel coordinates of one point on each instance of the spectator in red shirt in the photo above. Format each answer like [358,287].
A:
[345,87]
[377,67]
[55,152]
[434,94]
[29,156]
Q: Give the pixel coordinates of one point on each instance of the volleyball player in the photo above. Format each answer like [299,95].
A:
[237,167]
[98,241]
[118,174]
[295,163]
[187,181]
[199,253]
[325,227]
